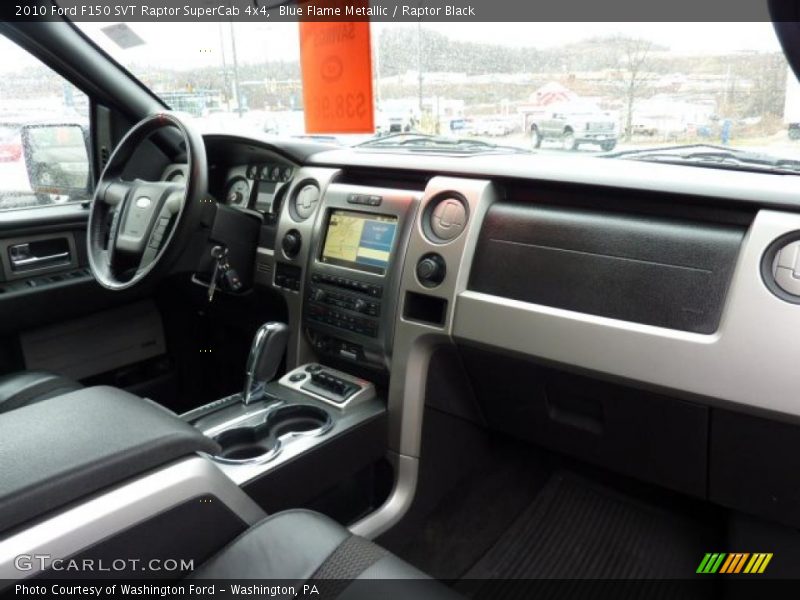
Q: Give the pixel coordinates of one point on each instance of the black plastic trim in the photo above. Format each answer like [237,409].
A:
[658,271]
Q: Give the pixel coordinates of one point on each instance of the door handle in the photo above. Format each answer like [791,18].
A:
[22,257]
[36,260]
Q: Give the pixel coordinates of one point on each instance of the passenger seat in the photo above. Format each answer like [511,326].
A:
[305,547]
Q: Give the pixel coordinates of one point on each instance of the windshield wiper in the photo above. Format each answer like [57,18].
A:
[715,157]
[438,143]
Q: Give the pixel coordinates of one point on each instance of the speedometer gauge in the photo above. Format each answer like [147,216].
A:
[238,192]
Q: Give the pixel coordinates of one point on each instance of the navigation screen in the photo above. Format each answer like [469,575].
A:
[359,240]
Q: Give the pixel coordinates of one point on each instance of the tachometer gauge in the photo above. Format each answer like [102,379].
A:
[238,192]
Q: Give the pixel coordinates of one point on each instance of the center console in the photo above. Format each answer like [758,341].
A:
[294,420]
[275,431]
[356,256]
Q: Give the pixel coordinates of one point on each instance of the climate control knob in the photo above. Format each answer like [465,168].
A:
[360,305]
[291,243]
[431,270]
[318,295]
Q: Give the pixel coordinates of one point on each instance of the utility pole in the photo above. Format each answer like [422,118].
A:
[419,67]
[237,91]
[224,68]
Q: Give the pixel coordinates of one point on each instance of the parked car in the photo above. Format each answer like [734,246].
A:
[572,125]
[493,126]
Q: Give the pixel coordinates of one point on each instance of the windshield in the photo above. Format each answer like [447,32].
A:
[582,88]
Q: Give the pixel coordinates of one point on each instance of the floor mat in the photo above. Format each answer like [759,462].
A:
[471,518]
[576,528]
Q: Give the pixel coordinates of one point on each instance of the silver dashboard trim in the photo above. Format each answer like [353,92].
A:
[242,473]
[377,522]
[364,394]
[415,343]
[299,350]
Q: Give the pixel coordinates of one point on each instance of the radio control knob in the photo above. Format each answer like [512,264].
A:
[359,305]
[431,270]
[318,295]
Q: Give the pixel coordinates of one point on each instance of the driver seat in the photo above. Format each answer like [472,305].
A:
[28,387]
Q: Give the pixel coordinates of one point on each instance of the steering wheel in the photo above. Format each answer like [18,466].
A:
[137,228]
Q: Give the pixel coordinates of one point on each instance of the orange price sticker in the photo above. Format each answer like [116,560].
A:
[336,60]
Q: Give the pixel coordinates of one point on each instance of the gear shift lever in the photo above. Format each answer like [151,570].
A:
[266,353]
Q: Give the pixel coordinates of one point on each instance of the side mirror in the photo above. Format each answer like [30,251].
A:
[57,161]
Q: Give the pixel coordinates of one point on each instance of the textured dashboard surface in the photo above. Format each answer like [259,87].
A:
[657,271]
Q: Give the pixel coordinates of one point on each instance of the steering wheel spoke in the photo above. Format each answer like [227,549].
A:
[114,192]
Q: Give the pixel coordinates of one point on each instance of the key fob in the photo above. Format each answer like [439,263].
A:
[232,280]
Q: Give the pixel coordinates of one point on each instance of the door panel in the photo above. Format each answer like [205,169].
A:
[56,292]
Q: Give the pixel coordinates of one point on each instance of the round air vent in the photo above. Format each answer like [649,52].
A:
[305,200]
[446,218]
[780,267]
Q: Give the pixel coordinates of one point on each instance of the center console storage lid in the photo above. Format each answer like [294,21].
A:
[56,451]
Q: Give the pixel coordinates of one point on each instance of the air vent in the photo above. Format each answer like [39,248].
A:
[780,267]
[445,217]
[396,180]
[305,200]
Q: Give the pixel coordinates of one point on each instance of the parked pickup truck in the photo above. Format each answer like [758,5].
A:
[572,125]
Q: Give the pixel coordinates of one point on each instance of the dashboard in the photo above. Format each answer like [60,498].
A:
[584,262]
[595,306]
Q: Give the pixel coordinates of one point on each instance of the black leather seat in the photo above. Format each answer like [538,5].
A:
[303,547]
[24,388]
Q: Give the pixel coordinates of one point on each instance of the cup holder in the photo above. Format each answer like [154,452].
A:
[263,441]
[241,444]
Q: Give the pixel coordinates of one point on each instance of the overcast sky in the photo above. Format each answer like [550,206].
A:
[187,45]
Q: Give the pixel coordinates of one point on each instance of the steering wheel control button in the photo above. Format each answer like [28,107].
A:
[158,233]
[291,243]
[431,270]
